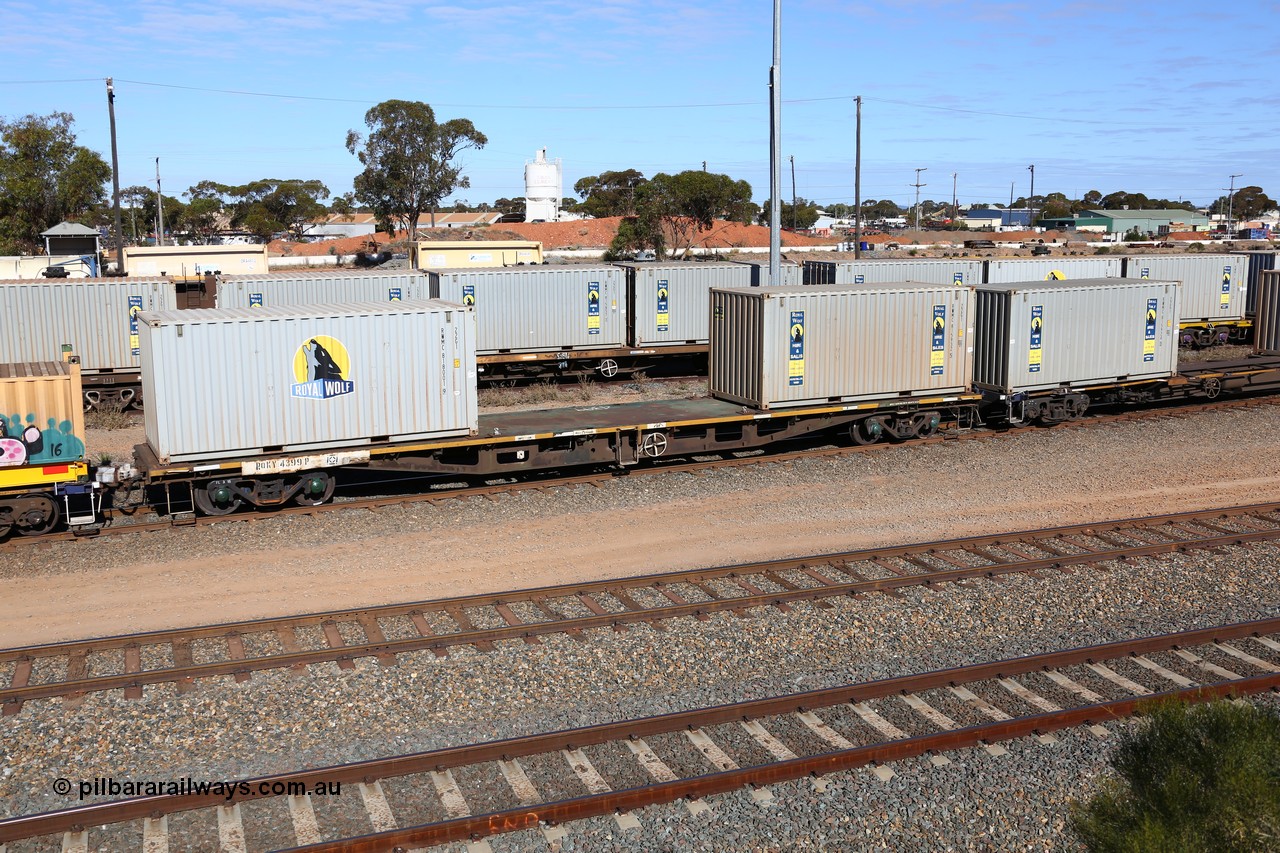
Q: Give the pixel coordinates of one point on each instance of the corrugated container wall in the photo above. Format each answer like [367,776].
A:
[1044,335]
[450,254]
[1004,270]
[792,274]
[670,303]
[195,261]
[244,382]
[1259,262]
[94,316]
[930,270]
[1213,286]
[41,414]
[322,287]
[775,347]
[540,309]
[1266,326]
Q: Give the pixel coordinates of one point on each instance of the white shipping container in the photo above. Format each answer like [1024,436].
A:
[792,274]
[321,287]
[227,383]
[872,271]
[95,317]
[774,347]
[670,302]
[1213,286]
[1035,336]
[541,308]
[1004,270]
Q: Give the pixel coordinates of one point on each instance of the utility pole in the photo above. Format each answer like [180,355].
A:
[704,165]
[1231,197]
[955,205]
[775,150]
[793,192]
[918,185]
[159,208]
[1031,221]
[115,178]
[857,183]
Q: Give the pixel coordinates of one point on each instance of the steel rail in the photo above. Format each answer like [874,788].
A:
[531,817]
[12,696]
[77,818]
[596,479]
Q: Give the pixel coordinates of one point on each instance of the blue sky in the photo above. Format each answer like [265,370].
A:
[1168,99]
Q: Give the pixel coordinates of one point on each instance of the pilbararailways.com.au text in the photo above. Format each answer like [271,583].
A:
[106,786]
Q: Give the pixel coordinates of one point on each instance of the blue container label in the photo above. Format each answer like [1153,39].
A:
[1035,356]
[593,308]
[795,359]
[135,306]
[937,358]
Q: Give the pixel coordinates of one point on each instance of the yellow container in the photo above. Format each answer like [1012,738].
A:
[42,438]
[446,254]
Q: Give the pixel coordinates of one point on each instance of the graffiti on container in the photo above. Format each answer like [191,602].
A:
[22,442]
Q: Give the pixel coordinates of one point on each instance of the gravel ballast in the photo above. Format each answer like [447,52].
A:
[279,719]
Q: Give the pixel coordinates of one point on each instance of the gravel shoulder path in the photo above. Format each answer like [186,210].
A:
[634,525]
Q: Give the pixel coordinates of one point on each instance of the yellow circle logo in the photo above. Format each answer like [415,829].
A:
[321,369]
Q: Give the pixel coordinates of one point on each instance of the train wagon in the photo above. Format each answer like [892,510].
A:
[1043,349]
[44,474]
[1213,292]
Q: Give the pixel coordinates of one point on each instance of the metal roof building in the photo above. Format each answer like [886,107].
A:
[1122,221]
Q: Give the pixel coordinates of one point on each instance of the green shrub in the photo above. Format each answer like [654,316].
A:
[1189,778]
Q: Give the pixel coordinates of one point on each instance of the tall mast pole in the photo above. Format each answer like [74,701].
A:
[115,178]
[159,208]
[857,183]
[775,150]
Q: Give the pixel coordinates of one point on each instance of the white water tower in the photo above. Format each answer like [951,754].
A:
[543,188]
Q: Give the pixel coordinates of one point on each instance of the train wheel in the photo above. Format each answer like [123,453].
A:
[926,424]
[866,431]
[317,488]
[216,499]
[38,514]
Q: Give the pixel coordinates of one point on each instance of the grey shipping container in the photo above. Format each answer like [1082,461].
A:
[93,316]
[540,308]
[1213,286]
[228,383]
[929,270]
[669,303]
[321,287]
[792,274]
[1266,325]
[1004,270]
[775,347]
[1259,262]
[1034,336]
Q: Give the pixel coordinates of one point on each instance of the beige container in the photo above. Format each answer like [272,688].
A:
[41,415]
[451,254]
[189,262]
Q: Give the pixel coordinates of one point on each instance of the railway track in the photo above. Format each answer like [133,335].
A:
[71,670]
[542,781]
[122,523]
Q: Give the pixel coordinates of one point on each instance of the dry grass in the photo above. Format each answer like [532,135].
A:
[108,415]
